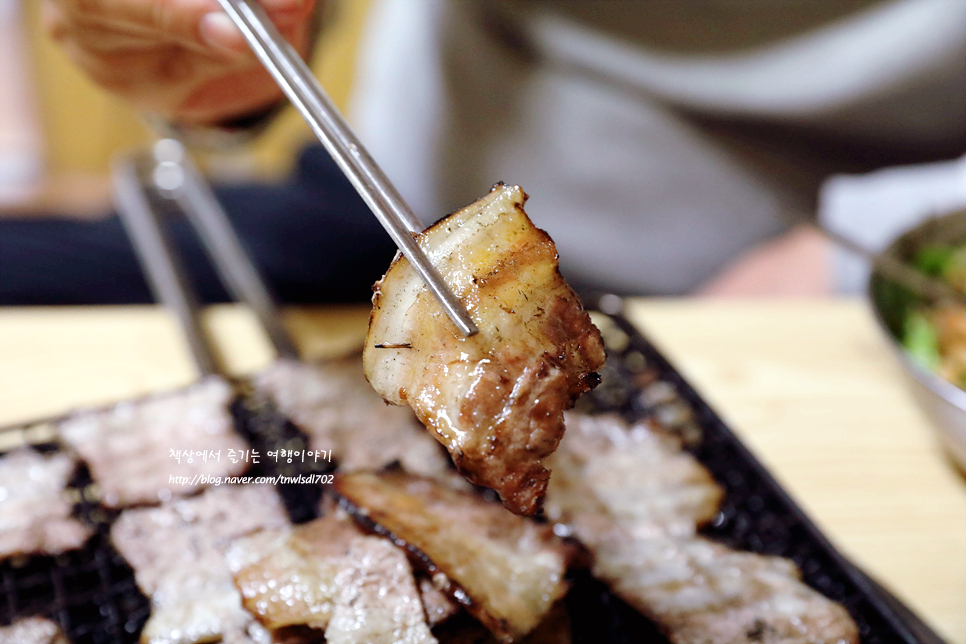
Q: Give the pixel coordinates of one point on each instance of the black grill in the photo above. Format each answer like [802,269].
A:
[91,593]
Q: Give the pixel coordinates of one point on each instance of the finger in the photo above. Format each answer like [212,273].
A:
[165,20]
[219,31]
[107,38]
[88,27]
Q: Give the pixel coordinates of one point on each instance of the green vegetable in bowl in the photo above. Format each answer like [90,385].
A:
[933,260]
[921,340]
[945,262]
[935,334]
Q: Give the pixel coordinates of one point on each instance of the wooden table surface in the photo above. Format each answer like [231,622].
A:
[809,386]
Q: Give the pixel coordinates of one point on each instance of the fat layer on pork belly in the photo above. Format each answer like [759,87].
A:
[177,553]
[128,446]
[506,570]
[645,546]
[494,400]
[35,513]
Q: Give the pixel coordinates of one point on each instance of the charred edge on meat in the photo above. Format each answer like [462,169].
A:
[452,589]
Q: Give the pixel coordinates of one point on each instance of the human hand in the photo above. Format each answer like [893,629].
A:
[796,264]
[181,59]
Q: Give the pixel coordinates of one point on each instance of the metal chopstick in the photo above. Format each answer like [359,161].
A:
[304,91]
[176,177]
[160,261]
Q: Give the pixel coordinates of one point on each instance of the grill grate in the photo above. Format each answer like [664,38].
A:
[266,429]
[756,514]
[91,592]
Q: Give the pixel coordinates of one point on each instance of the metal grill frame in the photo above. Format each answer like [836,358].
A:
[92,595]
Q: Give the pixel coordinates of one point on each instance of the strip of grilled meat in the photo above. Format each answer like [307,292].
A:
[496,399]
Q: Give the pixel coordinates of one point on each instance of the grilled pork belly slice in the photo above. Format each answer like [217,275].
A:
[338,410]
[638,475]
[177,553]
[287,577]
[378,602]
[128,447]
[291,577]
[32,630]
[505,570]
[494,400]
[700,591]
[35,513]
[635,500]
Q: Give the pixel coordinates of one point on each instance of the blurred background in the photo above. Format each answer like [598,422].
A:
[59,131]
[712,141]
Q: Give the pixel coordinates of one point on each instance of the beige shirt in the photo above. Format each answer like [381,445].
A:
[657,140]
